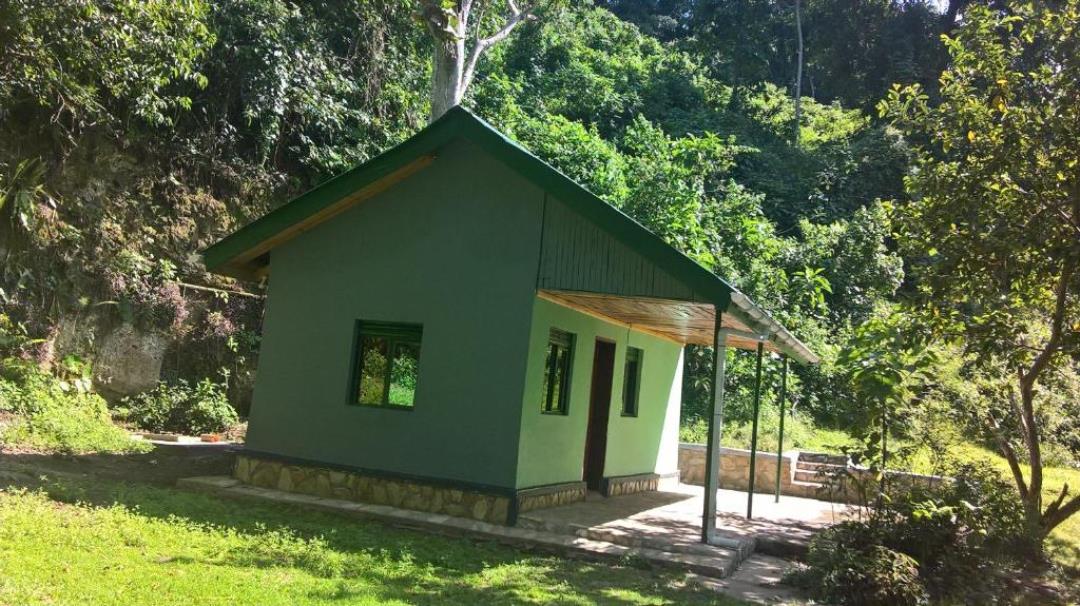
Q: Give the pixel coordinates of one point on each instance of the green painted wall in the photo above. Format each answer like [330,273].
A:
[552,447]
[455,248]
[578,254]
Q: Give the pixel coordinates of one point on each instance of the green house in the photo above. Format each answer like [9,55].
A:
[457,327]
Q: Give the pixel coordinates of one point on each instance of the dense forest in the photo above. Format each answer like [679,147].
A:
[135,134]
[130,164]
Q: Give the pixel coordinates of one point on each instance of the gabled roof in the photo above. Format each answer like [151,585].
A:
[244,253]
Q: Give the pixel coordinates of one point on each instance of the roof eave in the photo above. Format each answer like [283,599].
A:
[769,328]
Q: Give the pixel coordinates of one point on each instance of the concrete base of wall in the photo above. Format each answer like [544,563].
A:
[529,499]
[485,505]
[364,488]
[642,482]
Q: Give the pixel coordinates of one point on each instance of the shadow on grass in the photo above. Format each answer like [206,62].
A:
[1067,553]
[361,559]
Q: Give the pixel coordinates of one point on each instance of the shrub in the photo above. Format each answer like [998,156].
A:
[57,414]
[963,536]
[182,408]
[849,566]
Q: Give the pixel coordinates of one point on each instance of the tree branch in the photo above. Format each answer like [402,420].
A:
[1010,457]
[1028,380]
[1057,326]
[1058,501]
[1056,517]
[517,15]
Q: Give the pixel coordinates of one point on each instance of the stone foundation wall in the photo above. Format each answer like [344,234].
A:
[613,487]
[550,496]
[353,486]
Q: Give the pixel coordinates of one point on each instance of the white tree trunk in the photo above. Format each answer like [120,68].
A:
[454,63]
[447,76]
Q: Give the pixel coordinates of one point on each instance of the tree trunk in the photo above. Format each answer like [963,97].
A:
[798,72]
[1040,522]
[454,64]
[446,76]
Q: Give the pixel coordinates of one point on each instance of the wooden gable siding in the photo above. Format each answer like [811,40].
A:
[578,255]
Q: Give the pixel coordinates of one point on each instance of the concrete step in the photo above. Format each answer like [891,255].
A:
[801,465]
[821,457]
[717,563]
[810,476]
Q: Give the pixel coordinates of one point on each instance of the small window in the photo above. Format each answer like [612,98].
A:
[556,391]
[387,364]
[631,382]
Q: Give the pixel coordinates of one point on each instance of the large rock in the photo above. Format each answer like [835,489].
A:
[128,362]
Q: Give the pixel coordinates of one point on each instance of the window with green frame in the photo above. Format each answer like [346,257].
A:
[387,364]
[556,389]
[631,381]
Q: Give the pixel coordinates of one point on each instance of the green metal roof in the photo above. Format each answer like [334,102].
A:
[227,256]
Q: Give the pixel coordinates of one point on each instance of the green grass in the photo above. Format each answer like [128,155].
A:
[101,542]
[798,434]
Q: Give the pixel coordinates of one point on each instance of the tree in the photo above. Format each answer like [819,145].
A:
[993,220]
[448,22]
[798,71]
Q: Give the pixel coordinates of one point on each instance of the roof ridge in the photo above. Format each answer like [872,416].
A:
[236,253]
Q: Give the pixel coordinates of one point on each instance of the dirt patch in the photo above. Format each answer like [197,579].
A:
[163,465]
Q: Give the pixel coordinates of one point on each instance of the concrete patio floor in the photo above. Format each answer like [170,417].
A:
[671,520]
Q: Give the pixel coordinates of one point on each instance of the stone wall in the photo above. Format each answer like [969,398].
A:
[354,486]
[853,485]
[735,468]
[549,496]
[642,482]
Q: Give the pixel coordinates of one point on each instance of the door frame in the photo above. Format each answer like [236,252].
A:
[601,389]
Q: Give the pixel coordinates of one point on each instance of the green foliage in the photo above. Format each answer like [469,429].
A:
[991,219]
[888,362]
[83,59]
[846,565]
[854,50]
[994,239]
[800,433]
[182,408]
[57,415]
[955,543]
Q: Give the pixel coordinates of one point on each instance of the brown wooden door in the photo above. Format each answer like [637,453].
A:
[599,407]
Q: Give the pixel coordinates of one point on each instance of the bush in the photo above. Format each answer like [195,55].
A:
[962,536]
[181,408]
[57,414]
[848,565]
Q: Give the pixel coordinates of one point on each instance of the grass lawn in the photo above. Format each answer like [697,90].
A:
[99,541]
